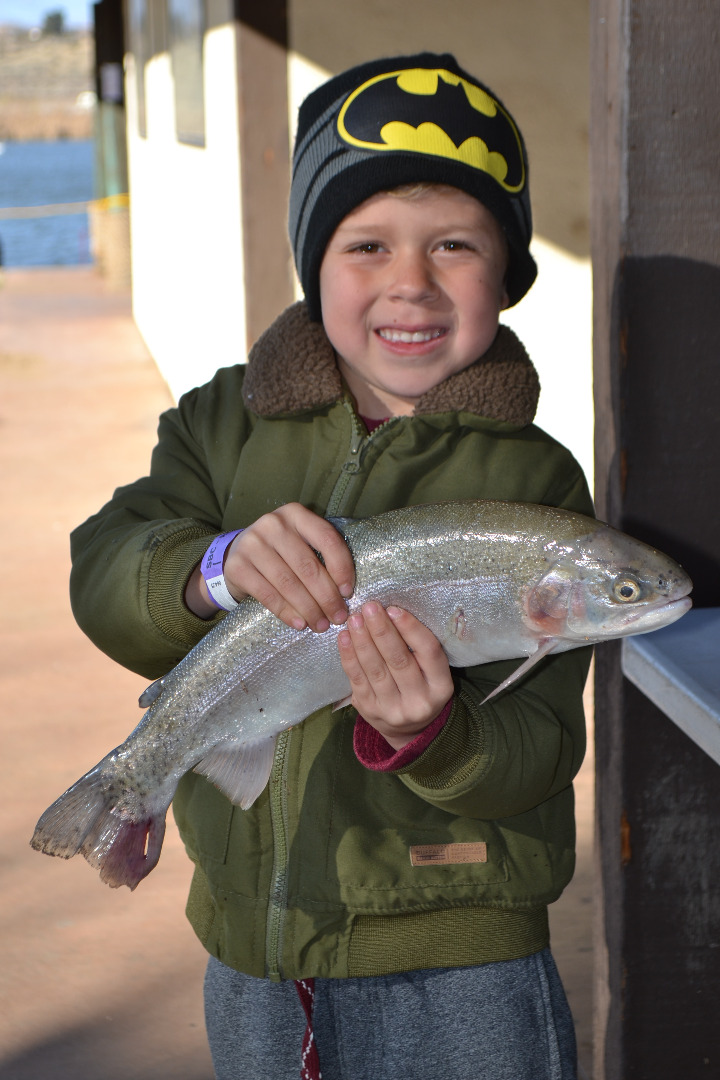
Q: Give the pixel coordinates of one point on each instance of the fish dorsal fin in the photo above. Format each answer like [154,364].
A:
[545,646]
[240,770]
[341,523]
[151,693]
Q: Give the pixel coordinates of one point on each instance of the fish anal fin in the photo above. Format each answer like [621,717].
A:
[545,646]
[240,770]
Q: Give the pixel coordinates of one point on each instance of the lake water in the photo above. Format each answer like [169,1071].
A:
[37,174]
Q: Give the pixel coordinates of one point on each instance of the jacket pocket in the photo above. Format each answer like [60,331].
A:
[424,864]
[204,817]
[366,842]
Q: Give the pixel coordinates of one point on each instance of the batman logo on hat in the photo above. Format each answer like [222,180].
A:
[433,111]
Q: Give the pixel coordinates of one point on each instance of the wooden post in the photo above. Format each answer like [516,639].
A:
[111,176]
[109,214]
[655,134]
[264,160]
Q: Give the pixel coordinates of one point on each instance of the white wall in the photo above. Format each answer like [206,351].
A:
[554,322]
[186,228]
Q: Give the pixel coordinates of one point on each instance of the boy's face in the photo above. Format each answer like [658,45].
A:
[411,290]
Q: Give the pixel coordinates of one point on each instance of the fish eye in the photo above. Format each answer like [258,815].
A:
[626,590]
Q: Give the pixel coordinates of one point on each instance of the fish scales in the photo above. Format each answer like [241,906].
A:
[492,580]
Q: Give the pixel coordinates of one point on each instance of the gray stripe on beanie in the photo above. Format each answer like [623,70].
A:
[326,161]
[329,114]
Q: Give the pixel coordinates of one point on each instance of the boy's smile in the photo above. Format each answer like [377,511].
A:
[411,289]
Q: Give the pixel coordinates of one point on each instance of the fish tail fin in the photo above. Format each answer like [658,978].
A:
[122,850]
[84,821]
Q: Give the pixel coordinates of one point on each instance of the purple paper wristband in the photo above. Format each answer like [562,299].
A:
[211,568]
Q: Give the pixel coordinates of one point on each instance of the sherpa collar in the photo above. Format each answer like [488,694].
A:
[292,369]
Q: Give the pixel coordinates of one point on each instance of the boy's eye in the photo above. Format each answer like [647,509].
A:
[367,249]
[454,245]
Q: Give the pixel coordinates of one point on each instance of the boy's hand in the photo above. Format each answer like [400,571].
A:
[399,674]
[275,561]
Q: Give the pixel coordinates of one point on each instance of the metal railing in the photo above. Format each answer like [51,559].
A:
[111,202]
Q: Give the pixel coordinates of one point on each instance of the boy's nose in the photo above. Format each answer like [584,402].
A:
[413,279]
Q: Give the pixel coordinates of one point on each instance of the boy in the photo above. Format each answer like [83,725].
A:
[391,385]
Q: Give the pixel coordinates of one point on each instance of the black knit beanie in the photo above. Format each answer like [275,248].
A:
[404,120]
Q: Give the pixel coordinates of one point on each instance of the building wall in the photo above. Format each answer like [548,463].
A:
[186,229]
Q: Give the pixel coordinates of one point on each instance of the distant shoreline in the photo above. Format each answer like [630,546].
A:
[44,121]
[42,85]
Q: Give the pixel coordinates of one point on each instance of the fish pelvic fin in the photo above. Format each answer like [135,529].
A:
[545,646]
[83,821]
[240,770]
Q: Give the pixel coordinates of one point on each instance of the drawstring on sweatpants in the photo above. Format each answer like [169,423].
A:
[310,1062]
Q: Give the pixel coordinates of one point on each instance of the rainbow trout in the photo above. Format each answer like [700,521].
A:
[492,580]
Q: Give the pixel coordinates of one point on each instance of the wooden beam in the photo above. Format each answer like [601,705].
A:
[264,160]
[656,254]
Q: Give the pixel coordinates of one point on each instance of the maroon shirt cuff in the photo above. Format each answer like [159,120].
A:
[376,753]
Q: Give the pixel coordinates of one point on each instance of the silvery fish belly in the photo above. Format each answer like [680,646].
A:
[492,580]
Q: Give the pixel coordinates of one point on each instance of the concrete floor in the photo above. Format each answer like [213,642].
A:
[98,984]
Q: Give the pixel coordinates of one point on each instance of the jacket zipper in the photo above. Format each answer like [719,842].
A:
[277,905]
[351,465]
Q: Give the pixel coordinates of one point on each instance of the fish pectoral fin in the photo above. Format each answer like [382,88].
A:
[240,770]
[545,646]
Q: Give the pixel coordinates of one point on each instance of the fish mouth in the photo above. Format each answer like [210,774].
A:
[655,618]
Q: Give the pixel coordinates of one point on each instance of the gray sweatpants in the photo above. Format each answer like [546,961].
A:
[503,1021]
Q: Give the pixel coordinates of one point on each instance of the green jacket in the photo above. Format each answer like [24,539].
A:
[316,878]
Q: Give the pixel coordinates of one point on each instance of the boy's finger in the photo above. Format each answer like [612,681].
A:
[413,632]
[257,585]
[297,535]
[308,571]
[387,640]
[369,654]
[390,687]
[267,576]
[276,566]
[337,559]
[419,643]
[389,667]
[351,664]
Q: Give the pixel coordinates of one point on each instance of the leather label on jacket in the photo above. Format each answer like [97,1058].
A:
[424,854]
